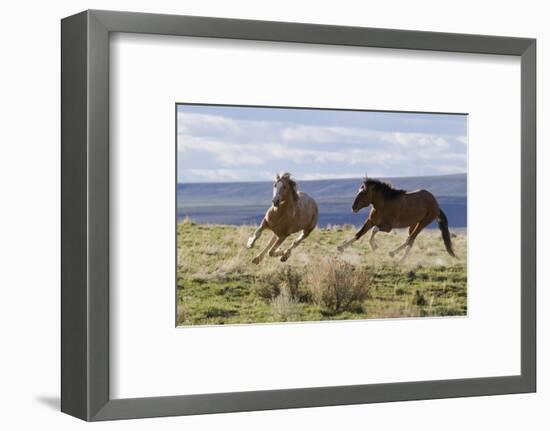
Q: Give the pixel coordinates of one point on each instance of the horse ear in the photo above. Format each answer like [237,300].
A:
[277,177]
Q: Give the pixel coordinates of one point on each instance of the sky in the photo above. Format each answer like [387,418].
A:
[228,144]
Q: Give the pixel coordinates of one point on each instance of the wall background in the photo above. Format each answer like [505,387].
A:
[30,215]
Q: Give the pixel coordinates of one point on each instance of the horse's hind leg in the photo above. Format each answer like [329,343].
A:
[305,233]
[392,253]
[412,237]
[274,251]
[260,256]
[406,243]
[409,246]
[257,233]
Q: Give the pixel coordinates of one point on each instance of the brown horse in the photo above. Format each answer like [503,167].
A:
[291,211]
[394,208]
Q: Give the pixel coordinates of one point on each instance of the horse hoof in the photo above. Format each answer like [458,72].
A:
[340,248]
[391,253]
[256,260]
[285,257]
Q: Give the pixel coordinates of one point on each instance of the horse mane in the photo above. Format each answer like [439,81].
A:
[293,186]
[387,190]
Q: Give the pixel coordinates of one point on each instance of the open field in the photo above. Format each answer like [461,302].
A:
[218,284]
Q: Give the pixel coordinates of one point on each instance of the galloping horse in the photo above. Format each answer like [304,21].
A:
[394,208]
[291,211]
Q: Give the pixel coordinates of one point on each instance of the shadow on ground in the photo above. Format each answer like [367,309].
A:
[53,402]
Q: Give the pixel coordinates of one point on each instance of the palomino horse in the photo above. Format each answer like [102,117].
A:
[393,208]
[291,211]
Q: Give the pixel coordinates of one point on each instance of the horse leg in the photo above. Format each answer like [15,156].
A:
[392,253]
[410,241]
[275,251]
[412,236]
[257,233]
[260,256]
[409,246]
[423,223]
[364,229]
[371,240]
[305,233]
[406,243]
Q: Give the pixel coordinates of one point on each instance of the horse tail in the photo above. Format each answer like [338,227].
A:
[444,227]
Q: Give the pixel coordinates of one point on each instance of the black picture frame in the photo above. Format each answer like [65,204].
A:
[85,214]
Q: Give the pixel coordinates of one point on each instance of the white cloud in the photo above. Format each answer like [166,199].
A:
[417,140]
[322,134]
[226,152]
[228,174]
[330,176]
[219,125]
[230,148]
[463,140]
[200,123]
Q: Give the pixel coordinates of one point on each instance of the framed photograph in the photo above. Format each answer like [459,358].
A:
[264,215]
[224,207]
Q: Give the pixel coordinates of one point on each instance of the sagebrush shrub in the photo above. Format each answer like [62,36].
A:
[285,307]
[269,286]
[337,285]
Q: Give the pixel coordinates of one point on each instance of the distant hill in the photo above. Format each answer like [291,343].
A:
[246,202]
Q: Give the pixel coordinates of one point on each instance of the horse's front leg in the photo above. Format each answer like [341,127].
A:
[257,233]
[364,229]
[258,259]
[371,240]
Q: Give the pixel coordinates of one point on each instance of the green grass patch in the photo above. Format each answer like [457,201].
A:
[217,283]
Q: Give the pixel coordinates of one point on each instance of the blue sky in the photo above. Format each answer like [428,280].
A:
[226,144]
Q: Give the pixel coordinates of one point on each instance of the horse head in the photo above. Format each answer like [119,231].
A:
[363,198]
[284,189]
